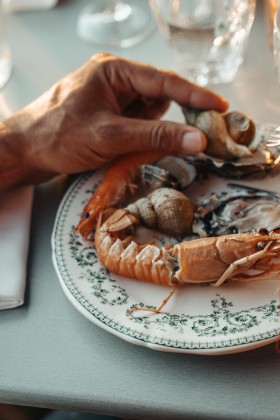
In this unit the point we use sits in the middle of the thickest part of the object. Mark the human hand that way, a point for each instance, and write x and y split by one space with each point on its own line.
106 108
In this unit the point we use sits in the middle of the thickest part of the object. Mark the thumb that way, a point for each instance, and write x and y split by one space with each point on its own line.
163 136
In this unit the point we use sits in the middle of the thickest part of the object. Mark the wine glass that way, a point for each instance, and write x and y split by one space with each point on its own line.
208 37
115 23
276 42
5 51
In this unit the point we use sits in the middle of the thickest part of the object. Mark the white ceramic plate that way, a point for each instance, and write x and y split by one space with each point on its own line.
197 319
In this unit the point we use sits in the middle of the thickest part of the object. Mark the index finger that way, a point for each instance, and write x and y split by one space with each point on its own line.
162 84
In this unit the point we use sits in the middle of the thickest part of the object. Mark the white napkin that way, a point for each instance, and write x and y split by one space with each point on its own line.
15 215
21 5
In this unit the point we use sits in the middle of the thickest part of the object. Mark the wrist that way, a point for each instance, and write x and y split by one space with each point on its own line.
13 163
18 152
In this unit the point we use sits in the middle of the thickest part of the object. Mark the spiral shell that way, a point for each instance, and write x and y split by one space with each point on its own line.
228 135
165 209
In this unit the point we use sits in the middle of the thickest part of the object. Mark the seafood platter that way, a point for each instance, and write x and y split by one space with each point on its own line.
180 253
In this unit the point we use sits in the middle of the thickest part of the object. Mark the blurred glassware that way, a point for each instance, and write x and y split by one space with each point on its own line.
115 23
26 5
276 42
5 52
270 7
208 37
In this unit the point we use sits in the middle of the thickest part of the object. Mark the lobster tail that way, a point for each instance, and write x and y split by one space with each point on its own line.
121 255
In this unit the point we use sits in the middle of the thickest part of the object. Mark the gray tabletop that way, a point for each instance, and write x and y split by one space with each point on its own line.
50 355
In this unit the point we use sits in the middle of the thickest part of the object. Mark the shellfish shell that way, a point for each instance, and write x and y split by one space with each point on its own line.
166 210
262 161
228 135
243 209
170 171
154 177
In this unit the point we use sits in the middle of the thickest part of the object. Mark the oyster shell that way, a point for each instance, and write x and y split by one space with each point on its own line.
154 177
251 158
244 209
184 172
170 171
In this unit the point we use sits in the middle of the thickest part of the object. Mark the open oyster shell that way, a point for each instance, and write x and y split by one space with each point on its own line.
169 171
251 159
244 209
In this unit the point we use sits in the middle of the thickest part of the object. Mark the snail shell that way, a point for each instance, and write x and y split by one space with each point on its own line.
165 209
240 127
228 135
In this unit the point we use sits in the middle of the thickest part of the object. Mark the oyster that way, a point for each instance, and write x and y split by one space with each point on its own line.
170 171
244 209
237 146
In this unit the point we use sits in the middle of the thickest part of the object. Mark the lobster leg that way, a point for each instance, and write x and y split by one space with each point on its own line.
243 264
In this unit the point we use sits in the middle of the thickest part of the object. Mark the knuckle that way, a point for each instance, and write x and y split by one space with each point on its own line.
101 57
107 64
166 76
170 74
108 131
160 138
100 62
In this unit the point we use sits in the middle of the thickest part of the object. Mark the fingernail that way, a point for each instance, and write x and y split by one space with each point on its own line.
192 142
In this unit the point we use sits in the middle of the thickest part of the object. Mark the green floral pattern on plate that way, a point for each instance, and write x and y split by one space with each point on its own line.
103 298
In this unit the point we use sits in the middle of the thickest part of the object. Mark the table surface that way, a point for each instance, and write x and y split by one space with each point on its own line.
50 355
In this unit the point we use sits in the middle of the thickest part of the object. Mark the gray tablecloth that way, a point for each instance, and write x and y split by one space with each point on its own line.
50 355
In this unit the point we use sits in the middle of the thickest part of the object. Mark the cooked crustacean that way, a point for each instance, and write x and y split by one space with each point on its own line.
122 175
166 210
118 180
238 257
237 146
242 209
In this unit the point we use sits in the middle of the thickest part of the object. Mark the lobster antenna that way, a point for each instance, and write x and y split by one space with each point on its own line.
159 307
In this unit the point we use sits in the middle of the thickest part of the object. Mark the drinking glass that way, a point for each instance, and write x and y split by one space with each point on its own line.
276 42
270 7
5 52
208 37
115 23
